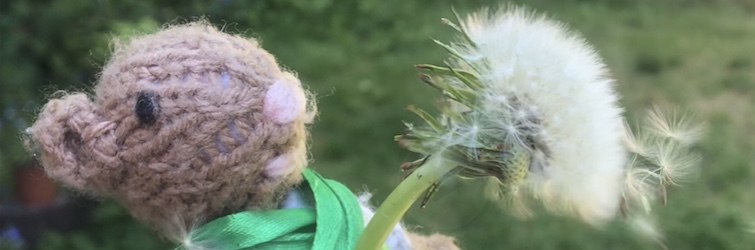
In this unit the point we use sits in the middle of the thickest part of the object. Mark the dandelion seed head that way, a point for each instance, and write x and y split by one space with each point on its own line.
532 106
532 63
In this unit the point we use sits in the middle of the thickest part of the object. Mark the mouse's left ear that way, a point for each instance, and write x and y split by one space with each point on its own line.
285 101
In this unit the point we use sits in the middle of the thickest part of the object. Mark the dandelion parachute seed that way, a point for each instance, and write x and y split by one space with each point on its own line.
661 155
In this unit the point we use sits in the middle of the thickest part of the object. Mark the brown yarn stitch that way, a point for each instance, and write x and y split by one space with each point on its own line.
175 130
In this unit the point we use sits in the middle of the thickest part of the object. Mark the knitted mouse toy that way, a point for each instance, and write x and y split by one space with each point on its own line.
201 135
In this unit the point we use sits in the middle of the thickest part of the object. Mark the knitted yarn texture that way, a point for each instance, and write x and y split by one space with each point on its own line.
186 125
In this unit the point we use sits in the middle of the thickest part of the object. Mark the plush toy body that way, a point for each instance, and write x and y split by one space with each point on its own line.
190 125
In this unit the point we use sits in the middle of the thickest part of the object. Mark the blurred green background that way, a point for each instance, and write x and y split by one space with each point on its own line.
358 56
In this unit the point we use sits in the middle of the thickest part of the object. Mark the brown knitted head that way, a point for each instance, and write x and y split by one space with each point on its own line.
188 123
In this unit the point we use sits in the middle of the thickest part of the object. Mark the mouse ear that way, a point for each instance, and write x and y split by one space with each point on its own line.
68 137
285 101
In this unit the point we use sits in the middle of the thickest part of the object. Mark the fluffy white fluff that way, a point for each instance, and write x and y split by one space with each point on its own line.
534 67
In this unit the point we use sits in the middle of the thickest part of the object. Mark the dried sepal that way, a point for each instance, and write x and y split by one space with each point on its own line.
458 28
430 120
465 76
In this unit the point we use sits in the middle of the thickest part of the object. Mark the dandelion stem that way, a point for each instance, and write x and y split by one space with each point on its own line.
399 201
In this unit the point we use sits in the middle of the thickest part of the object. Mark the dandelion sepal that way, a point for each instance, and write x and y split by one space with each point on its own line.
434 124
467 77
449 49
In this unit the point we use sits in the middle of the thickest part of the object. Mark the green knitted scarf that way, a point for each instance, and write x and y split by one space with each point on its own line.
335 223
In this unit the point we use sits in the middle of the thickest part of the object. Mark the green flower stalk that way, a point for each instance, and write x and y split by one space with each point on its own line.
529 105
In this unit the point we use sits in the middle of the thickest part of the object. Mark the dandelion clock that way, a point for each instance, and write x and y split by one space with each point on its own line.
530 105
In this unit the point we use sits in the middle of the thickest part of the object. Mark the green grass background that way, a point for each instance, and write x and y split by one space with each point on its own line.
358 56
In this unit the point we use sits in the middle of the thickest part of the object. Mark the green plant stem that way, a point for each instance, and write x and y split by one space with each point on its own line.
399 201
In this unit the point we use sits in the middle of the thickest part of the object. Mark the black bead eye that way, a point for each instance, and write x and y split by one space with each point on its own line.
147 107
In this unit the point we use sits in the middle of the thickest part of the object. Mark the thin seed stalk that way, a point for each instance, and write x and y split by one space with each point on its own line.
399 201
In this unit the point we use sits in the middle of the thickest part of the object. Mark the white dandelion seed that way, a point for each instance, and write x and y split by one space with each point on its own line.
675 163
660 156
661 149
640 182
637 143
186 233
670 123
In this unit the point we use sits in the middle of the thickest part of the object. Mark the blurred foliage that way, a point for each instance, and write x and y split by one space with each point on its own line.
358 57
112 229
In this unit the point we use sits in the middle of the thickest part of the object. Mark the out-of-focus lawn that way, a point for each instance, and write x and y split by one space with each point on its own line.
699 56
